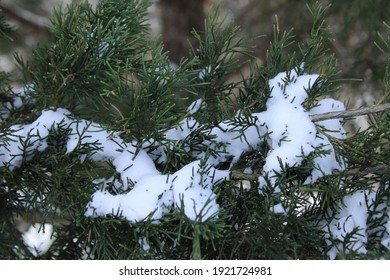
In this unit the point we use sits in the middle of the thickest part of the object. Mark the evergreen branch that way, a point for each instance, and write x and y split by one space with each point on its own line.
378 170
350 113
346 146
23 220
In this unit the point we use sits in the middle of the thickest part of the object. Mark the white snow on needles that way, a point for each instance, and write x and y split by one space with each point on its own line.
146 193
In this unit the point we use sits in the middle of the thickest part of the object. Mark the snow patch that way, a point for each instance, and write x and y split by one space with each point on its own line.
143 192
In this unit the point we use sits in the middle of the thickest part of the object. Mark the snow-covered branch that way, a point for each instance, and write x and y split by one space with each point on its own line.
142 192
291 135
350 113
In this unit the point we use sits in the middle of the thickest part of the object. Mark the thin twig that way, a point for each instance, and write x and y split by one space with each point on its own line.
378 170
24 220
350 113
236 175
346 146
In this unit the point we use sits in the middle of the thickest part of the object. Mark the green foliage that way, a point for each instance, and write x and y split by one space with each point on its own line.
366 20
217 57
102 66
311 56
6 30
371 14
89 49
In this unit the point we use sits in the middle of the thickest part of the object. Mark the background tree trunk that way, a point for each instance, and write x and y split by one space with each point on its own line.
179 18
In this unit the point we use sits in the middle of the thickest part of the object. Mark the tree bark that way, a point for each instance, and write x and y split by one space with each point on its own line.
179 19
351 113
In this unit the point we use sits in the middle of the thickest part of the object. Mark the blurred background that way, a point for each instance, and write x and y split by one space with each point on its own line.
354 24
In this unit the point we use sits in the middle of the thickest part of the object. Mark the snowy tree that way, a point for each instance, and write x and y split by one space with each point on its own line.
110 152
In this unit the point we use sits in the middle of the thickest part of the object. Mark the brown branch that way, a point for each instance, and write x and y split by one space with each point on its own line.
23 221
378 170
236 175
350 113
346 146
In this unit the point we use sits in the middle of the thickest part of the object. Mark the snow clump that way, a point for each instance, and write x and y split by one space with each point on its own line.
142 192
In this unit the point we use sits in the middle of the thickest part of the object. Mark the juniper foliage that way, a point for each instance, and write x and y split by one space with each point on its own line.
102 66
